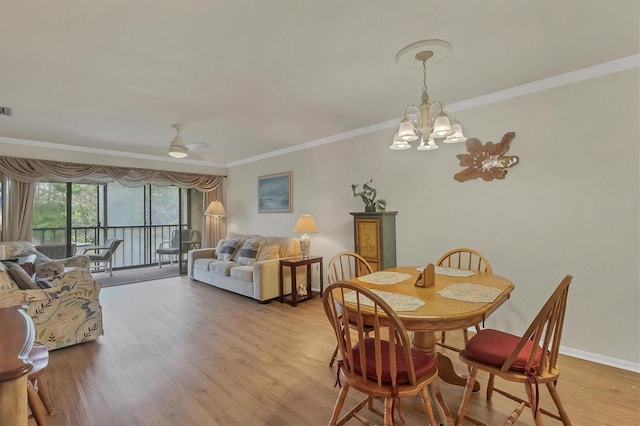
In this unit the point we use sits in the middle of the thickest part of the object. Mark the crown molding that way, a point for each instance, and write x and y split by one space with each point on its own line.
571 77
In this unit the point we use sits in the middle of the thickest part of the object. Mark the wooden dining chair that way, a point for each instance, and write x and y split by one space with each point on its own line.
379 368
37 392
463 258
530 359
343 267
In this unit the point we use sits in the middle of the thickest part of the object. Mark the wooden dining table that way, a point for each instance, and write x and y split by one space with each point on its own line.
439 313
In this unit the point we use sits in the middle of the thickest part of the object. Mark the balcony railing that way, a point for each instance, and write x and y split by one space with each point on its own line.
138 246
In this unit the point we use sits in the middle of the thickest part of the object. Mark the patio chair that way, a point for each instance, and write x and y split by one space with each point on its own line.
103 254
190 241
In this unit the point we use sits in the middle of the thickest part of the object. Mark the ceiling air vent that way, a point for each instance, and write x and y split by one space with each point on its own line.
6 111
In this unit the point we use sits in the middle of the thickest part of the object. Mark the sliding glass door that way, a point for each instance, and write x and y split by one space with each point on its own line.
68 216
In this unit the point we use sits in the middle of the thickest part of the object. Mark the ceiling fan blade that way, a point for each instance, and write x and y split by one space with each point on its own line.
198 145
194 156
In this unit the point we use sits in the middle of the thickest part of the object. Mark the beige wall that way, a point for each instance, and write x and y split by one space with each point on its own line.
570 206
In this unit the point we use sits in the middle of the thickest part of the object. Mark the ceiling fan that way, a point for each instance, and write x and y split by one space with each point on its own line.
179 149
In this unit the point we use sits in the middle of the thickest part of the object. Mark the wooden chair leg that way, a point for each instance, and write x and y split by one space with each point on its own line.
468 389
556 399
339 403
43 392
388 412
537 415
426 401
35 404
492 378
333 356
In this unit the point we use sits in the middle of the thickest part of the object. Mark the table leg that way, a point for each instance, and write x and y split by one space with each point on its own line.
281 285
426 341
321 279
294 287
309 280
449 375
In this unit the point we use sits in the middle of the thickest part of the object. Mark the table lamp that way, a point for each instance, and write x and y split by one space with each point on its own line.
305 225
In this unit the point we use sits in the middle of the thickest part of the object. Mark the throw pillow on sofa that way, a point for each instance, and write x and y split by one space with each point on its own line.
249 251
20 277
219 247
228 249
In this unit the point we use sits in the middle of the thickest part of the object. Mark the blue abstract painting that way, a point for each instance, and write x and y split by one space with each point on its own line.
274 193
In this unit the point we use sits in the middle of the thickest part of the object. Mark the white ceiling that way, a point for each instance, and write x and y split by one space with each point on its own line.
253 76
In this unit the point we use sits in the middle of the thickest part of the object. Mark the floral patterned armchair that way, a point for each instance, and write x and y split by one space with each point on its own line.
67 313
45 267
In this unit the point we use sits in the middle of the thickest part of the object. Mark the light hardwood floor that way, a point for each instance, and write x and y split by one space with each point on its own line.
177 352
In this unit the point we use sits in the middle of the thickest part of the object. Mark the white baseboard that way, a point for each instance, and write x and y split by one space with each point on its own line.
601 359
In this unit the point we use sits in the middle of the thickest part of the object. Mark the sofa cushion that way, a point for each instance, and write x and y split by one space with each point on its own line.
242 272
203 263
268 252
249 251
222 267
21 278
229 247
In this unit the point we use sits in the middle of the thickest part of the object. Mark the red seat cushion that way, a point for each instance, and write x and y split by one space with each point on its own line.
422 362
494 347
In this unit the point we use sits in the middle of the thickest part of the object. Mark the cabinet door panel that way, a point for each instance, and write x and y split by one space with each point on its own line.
368 244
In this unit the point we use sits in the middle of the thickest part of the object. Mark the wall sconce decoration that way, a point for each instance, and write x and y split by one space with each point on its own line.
486 161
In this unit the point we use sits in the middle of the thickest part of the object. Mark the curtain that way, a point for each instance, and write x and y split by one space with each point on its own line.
22 173
19 211
214 226
27 170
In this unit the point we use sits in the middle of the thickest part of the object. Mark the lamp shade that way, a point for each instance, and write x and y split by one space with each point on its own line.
405 131
305 224
215 209
399 144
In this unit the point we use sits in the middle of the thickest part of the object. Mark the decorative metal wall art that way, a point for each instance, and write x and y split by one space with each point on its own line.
486 161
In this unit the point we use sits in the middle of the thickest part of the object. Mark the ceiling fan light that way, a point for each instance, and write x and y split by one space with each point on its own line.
457 135
178 151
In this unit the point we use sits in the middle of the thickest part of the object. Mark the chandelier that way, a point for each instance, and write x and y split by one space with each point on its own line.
429 122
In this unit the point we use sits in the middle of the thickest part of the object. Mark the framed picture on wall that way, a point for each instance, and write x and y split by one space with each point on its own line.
274 193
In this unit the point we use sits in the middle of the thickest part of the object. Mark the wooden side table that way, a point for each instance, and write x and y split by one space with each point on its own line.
293 263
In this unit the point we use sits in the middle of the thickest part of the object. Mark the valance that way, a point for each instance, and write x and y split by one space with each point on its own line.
27 170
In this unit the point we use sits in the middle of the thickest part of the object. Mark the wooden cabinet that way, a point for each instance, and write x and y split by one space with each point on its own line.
375 238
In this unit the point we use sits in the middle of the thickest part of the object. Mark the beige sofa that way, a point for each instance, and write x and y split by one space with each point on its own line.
258 279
